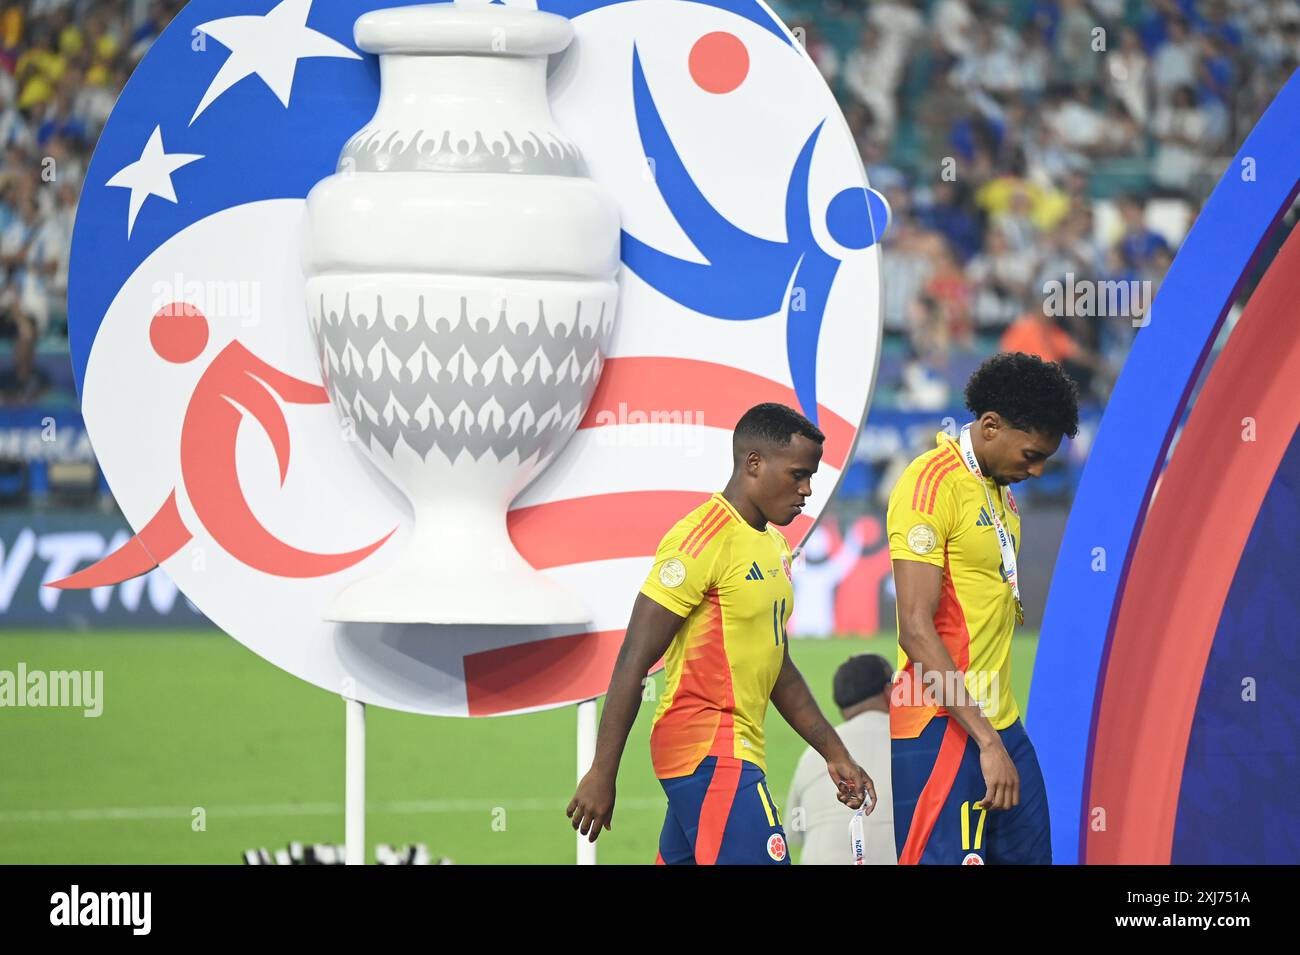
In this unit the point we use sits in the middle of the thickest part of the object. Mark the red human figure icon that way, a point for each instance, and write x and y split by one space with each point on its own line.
236 383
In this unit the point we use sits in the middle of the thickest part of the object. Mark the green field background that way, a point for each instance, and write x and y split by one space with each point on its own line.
193 719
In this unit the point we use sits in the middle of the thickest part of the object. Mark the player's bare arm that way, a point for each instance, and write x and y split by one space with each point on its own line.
649 632
919 585
795 702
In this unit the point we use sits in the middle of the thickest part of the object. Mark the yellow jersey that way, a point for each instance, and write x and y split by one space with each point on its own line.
732 584
938 514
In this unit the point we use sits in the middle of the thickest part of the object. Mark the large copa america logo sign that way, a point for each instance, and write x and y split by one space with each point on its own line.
331 320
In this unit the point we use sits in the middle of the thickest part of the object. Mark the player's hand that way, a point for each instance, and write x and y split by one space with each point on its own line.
1000 778
592 805
852 783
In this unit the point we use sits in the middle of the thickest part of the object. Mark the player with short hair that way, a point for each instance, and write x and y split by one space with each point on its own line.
958 746
715 606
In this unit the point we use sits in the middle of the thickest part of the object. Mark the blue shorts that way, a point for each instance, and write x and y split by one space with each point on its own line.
937 781
721 814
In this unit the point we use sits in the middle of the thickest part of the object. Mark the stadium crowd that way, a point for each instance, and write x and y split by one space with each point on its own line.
64 63
1018 142
1023 141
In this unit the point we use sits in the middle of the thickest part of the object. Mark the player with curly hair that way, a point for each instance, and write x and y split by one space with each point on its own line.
967 786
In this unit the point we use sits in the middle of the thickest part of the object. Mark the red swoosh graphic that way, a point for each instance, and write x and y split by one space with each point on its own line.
714 395
236 379
525 675
576 530
163 536
608 526
211 477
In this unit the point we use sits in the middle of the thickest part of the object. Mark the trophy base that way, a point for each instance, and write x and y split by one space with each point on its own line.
407 594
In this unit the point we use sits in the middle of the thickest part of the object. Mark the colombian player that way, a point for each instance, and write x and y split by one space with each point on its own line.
715 606
967 787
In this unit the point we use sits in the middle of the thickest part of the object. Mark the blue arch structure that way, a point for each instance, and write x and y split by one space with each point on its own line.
1131 448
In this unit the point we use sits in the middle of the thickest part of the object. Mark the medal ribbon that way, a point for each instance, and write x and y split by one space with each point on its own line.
1004 539
857 836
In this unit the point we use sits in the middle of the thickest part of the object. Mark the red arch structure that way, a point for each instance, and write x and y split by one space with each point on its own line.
1183 565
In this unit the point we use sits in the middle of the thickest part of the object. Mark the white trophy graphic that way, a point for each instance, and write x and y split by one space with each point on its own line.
462 287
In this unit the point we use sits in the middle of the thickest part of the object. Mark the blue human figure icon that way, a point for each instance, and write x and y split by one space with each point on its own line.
745 276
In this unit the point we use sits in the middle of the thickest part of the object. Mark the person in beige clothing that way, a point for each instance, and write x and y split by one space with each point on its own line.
816 821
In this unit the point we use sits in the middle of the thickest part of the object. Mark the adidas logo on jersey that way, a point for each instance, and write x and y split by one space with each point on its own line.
754 572
984 519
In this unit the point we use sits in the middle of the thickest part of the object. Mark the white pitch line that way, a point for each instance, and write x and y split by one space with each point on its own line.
406 808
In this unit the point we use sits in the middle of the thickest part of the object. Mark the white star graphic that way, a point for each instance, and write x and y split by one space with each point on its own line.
150 175
269 46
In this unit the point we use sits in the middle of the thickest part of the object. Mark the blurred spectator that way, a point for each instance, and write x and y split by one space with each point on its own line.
953 25
58 117
1183 128
921 387
26 261
818 49
1074 119
950 294
880 172
1015 220
1066 251
947 209
94 101
1174 64
905 261
1120 133
14 129
816 819
149 29
1001 276
1047 158
1035 63
1216 79
871 76
38 69
1037 334
1077 62
1137 244
987 64
1128 72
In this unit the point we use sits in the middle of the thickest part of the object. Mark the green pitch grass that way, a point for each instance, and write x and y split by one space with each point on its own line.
204 750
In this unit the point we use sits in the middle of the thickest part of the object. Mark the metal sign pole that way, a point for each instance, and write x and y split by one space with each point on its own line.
354 806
